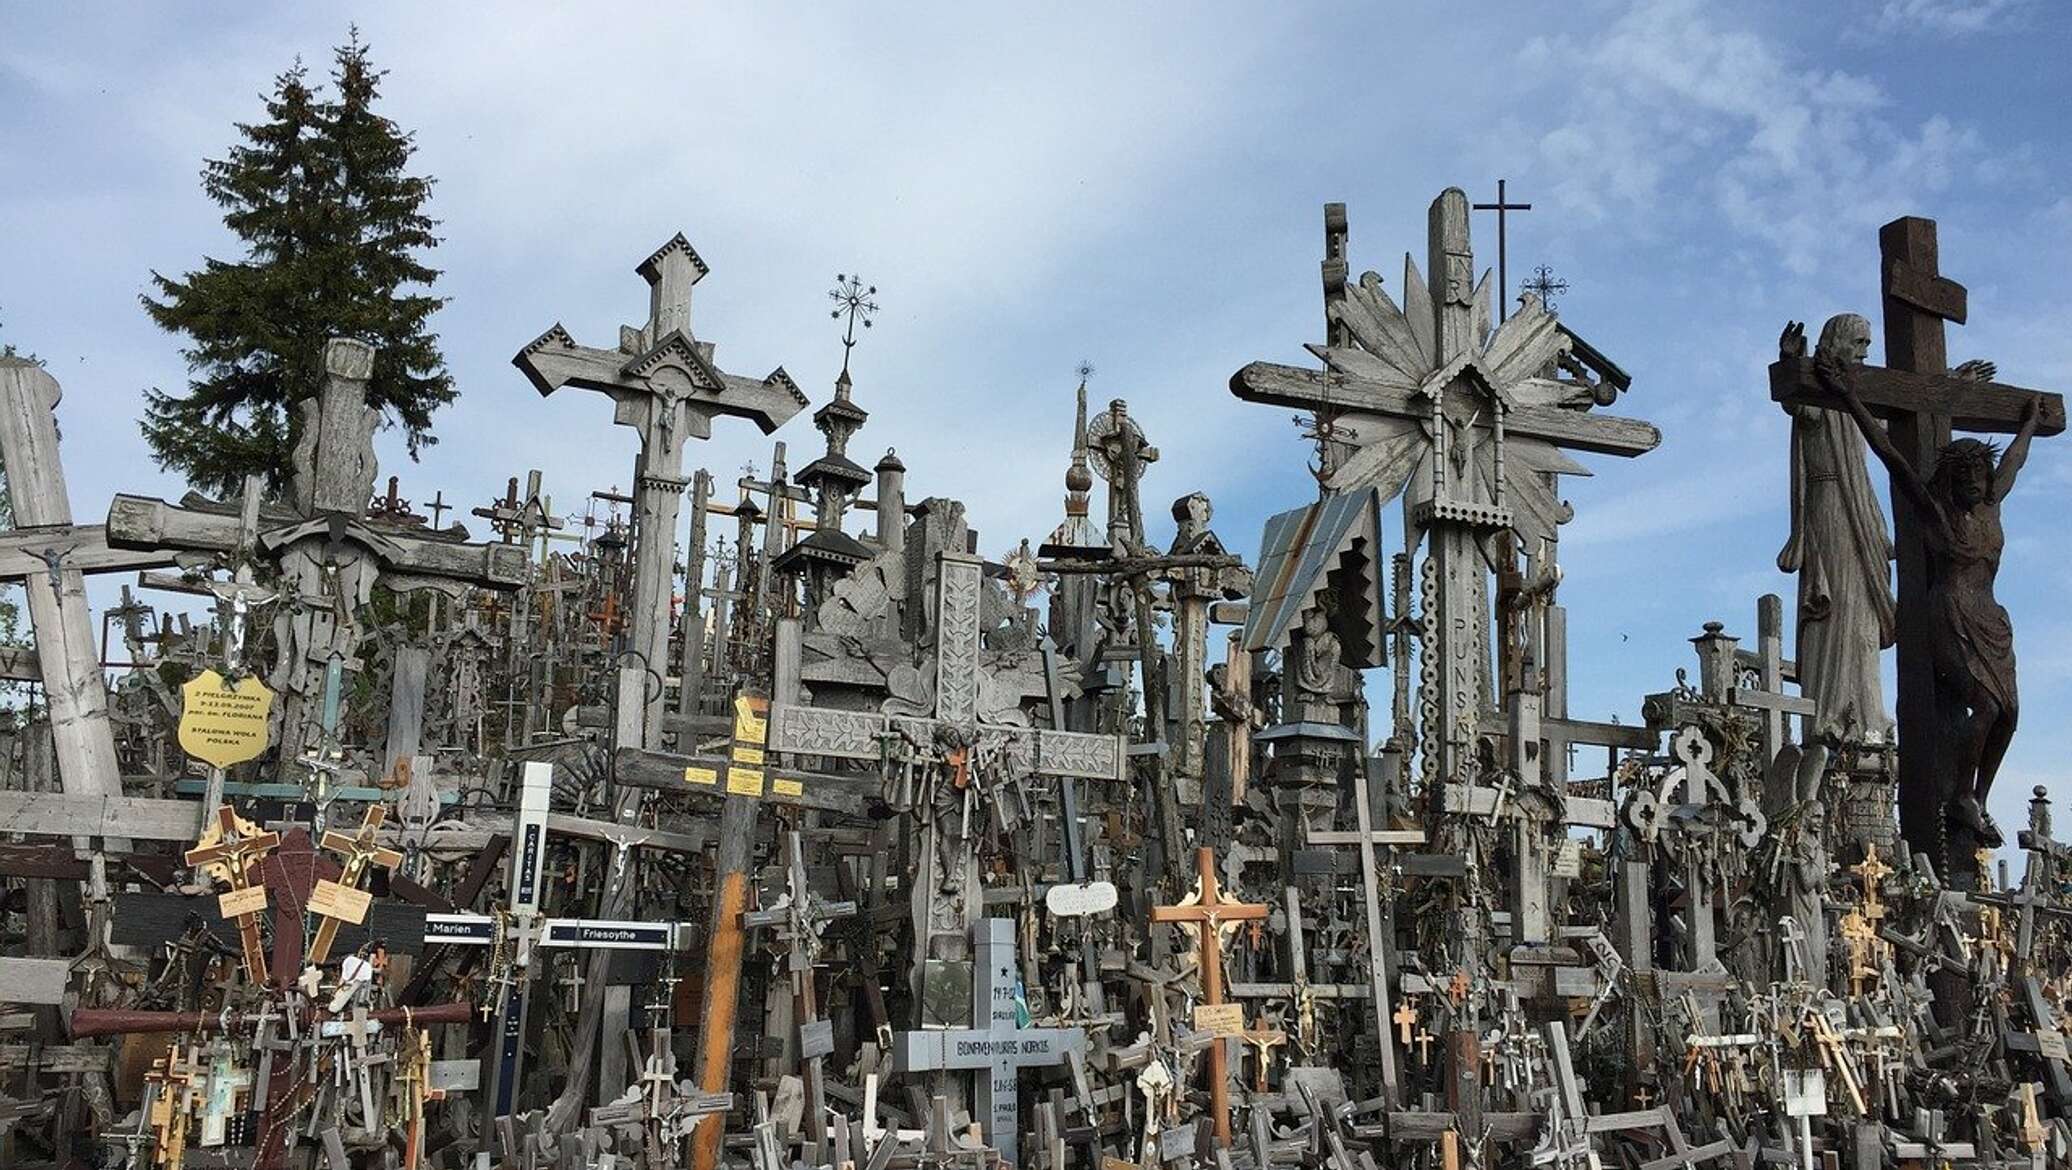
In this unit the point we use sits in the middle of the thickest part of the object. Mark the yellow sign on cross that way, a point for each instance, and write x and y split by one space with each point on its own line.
221 724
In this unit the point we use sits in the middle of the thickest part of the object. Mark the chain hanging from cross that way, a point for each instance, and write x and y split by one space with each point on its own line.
852 299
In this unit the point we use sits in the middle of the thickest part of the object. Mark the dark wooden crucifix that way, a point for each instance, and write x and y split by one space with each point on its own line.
1946 761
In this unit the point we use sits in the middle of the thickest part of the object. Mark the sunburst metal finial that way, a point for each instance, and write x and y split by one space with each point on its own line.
852 299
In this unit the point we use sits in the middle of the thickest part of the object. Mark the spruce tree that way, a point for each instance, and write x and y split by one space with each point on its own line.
333 225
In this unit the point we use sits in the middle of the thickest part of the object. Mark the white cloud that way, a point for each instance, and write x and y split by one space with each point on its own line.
1949 17
1681 101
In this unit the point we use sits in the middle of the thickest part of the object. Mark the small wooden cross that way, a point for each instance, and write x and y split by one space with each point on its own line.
1424 1045
356 851
1405 1019
1262 1042
238 847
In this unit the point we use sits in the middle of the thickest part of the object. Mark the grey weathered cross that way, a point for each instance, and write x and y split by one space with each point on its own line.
663 383
993 1047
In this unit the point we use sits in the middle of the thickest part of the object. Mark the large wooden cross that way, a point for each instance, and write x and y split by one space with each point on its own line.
1207 914
663 383
47 553
1921 403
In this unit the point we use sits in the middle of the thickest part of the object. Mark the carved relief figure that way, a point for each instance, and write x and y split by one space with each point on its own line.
1973 647
1840 549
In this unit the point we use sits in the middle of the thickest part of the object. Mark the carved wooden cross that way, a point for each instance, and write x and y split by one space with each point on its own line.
1921 404
1207 914
663 383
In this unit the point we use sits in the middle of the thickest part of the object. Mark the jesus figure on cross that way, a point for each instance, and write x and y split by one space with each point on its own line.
1973 640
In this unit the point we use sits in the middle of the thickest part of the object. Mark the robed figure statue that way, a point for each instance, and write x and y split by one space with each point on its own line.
1842 552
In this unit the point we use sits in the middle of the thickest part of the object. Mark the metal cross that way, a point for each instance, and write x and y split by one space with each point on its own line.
1503 281
852 298
1545 285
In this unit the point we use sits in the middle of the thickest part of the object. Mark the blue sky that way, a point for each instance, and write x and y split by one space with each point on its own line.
1135 185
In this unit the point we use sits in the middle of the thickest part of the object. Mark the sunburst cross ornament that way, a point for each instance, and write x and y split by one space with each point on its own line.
1438 401
852 299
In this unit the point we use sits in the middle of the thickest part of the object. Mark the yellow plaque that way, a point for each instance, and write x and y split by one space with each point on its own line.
743 754
786 786
238 903
1219 1019
745 781
344 903
750 726
700 776
220 724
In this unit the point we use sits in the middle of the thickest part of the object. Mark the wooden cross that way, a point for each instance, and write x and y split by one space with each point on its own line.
801 922
1262 1041
1921 404
238 847
357 851
994 1048
1405 1018
1207 913
663 383
48 554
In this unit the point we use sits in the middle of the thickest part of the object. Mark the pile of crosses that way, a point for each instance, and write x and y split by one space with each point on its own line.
714 827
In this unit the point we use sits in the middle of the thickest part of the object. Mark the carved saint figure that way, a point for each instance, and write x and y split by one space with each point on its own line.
1973 647
1319 667
1840 549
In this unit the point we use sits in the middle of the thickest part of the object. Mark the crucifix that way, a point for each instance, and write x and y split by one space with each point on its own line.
231 850
801 921
346 903
994 1047
1207 912
663 383
1947 549
1503 270
47 553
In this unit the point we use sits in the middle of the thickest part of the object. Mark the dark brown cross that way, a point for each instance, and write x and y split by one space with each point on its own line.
1503 275
1921 403
1207 915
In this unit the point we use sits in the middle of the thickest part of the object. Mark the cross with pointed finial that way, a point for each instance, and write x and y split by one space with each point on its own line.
1545 285
852 299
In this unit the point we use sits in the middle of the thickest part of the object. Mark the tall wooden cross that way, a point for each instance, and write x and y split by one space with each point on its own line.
995 1048
1207 914
1921 403
663 383
46 553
